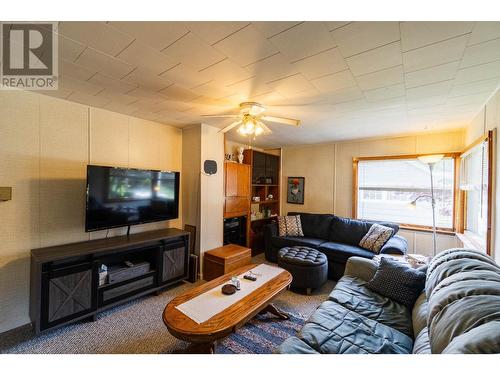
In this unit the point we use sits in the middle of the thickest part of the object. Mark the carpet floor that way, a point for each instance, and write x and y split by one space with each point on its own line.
137 327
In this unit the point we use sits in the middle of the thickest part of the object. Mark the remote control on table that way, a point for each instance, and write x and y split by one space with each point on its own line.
250 277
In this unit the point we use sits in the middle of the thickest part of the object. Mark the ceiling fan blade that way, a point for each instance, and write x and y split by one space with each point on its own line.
222 116
281 120
229 127
265 127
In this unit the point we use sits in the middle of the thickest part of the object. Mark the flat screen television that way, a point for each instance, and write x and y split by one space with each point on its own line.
118 197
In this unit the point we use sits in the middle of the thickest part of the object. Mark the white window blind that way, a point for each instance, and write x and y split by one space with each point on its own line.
386 187
474 171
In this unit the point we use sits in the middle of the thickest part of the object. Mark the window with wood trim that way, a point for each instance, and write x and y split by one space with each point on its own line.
386 186
475 186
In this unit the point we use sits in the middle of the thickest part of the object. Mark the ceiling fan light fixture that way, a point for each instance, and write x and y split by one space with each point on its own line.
248 126
259 130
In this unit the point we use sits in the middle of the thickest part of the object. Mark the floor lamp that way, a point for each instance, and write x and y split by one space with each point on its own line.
431 161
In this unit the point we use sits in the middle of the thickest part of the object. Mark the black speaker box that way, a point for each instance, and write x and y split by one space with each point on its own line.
193 268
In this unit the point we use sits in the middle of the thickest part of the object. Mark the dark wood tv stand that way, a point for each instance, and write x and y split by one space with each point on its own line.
65 287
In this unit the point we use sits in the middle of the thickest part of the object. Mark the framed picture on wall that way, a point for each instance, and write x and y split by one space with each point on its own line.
295 190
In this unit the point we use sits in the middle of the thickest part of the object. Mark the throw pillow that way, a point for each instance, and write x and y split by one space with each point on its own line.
376 237
290 226
397 281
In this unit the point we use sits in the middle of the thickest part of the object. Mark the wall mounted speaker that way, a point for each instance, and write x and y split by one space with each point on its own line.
210 167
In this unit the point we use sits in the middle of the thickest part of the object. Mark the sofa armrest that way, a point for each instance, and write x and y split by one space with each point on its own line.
395 245
362 268
270 231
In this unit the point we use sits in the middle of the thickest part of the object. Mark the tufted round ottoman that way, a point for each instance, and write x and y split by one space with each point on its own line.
309 267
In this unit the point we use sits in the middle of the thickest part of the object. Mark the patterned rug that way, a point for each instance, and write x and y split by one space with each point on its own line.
261 335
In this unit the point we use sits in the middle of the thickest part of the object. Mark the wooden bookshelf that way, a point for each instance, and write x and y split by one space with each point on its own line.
265 181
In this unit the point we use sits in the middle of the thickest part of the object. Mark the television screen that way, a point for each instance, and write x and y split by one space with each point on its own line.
118 197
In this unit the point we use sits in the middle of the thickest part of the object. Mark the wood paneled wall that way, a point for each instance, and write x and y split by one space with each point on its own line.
45 146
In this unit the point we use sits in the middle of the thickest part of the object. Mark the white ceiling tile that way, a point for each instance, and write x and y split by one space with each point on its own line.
478 73
141 93
291 85
419 34
474 99
114 85
69 49
346 94
426 102
192 51
179 93
186 76
434 89
68 68
213 90
303 40
350 106
376 59
327 62
481 53
271 28
175 106
488 85
358 37
382 78
73 84
269 98
226 72
334 82
246 46
158 35
119 107
435 54
97 35
105 64
332 25
147 79
303 98
88 99
206 101
250 87
484 31
383 93
437 73
272 68
211 31
114 97
138 54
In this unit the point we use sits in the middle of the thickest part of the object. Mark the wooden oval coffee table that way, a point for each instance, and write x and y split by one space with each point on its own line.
203 336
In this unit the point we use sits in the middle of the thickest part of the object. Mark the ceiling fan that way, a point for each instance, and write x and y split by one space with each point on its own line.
250 120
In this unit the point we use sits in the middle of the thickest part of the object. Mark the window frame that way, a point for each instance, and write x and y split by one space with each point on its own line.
417 227
462 217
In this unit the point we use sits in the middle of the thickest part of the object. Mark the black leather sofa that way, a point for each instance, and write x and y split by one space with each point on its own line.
337 237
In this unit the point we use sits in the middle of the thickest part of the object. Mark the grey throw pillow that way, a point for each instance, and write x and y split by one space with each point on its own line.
397 281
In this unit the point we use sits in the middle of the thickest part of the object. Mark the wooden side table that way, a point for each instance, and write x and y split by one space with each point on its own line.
222 260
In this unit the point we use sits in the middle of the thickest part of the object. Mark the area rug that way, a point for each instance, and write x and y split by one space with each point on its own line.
261 335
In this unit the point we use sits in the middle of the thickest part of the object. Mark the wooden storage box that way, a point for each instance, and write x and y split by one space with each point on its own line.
219 261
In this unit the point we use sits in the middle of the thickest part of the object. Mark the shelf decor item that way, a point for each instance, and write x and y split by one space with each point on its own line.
295 190
240 155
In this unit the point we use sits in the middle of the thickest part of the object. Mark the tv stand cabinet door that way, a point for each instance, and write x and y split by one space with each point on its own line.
69 293
174 260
